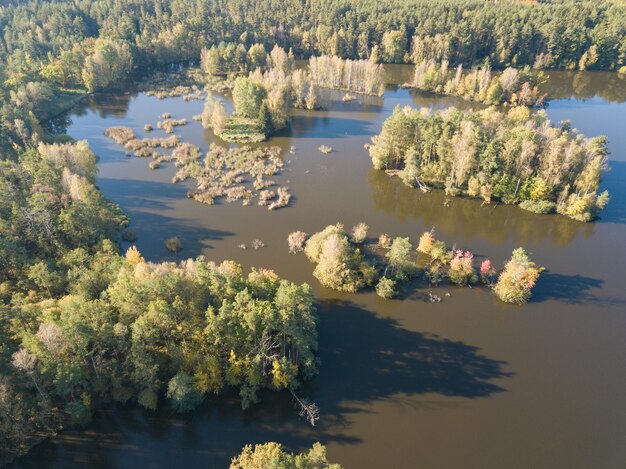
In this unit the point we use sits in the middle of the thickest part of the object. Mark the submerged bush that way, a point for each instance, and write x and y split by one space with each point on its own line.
173 244
538 206
518 278
129 235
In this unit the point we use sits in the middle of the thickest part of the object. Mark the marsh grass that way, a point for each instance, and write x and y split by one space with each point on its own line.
120 134
169 124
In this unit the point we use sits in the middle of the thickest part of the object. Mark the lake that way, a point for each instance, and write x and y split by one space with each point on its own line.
468 382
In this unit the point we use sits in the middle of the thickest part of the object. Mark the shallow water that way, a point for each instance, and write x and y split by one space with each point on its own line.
468 382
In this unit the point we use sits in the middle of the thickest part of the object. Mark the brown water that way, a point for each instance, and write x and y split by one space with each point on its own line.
468 382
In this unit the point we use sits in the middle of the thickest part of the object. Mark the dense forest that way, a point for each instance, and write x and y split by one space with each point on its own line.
562 34
51 52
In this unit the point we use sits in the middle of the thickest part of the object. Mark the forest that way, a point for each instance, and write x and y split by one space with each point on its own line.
52 52
82 324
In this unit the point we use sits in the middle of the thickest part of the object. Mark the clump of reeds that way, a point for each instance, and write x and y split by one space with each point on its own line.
283 199
120 134
325 149
169 124
257 244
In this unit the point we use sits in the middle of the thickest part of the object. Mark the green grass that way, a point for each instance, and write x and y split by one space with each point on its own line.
242 130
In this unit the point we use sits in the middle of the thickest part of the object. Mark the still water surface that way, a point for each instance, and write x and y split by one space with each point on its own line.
468 382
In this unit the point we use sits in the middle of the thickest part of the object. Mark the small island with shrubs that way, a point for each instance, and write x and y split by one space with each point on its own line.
514 157
347 262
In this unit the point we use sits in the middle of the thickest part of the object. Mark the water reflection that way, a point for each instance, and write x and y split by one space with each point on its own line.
610 86
105 104
466 218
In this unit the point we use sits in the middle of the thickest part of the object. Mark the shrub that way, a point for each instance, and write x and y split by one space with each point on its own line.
173 244
133 256
273 455
440 253
359 233
314 245
538 206
426 242
461 269
339 265
399 255
296 241
384 241
517 279
386 288
487 272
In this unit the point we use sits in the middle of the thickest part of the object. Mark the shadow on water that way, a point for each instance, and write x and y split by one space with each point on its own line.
573 289
369 357
365 358
147 203
321 124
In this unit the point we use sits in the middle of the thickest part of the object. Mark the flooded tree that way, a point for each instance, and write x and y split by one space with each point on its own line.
517 87
338 264
518 278
360 76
